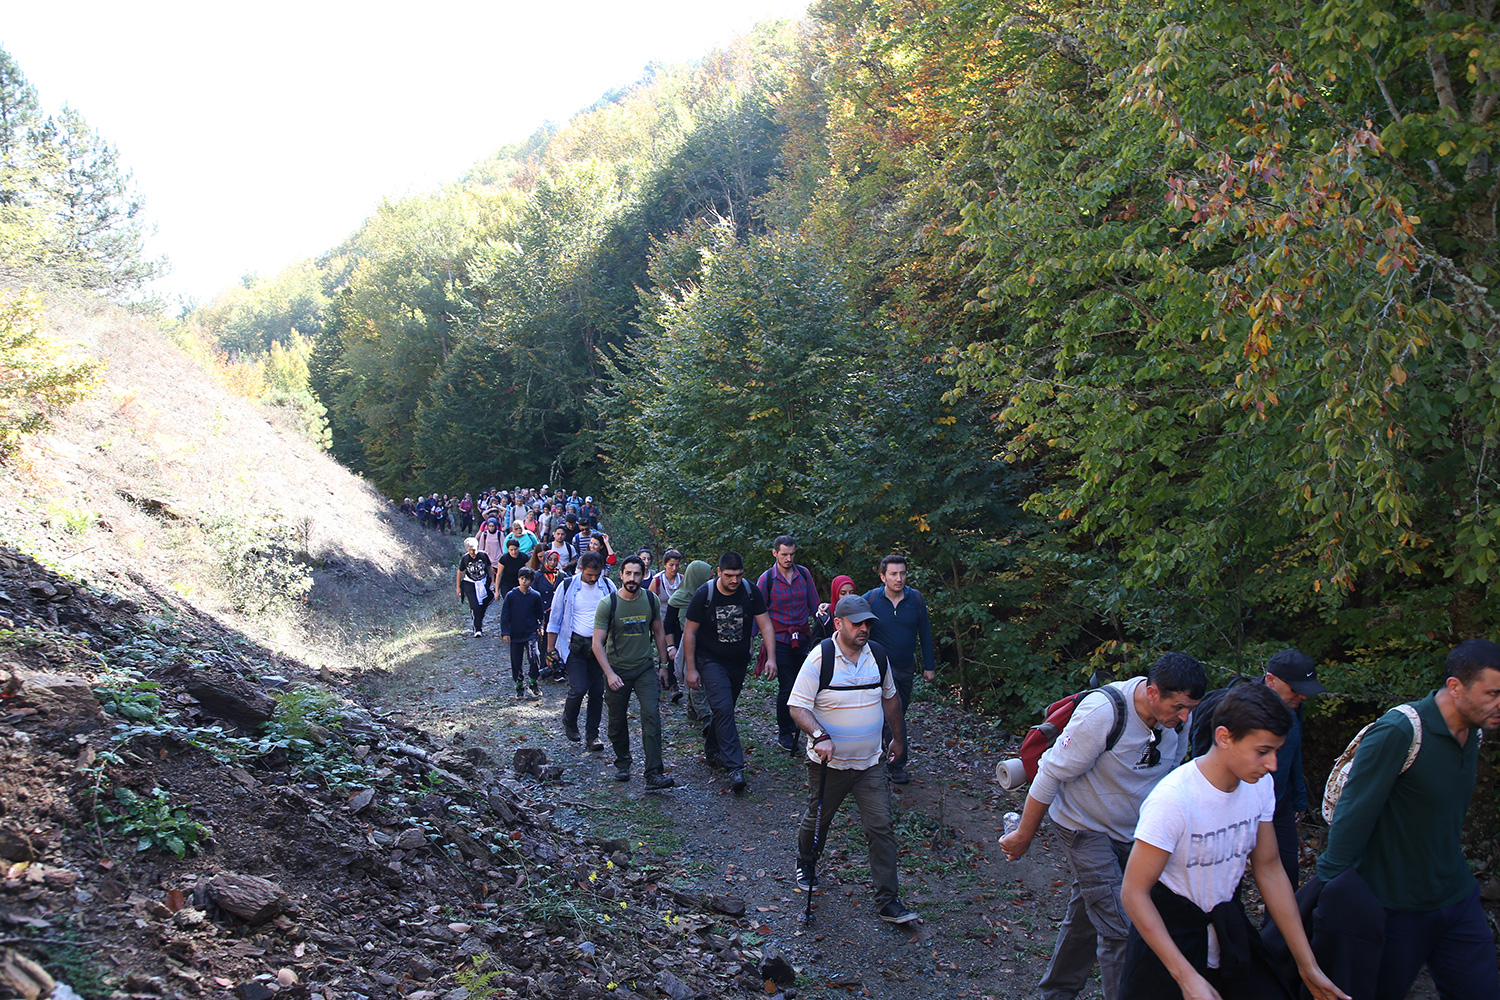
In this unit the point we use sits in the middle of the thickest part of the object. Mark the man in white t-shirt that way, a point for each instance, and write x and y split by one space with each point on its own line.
843 721
1190 936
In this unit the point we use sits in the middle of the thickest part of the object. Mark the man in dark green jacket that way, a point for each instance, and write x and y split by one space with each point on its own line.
1400 832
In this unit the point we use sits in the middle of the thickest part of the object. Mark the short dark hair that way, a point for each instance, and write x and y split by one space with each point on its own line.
1174 672
894 557
1468 658
731 560
1252 706
671 554
633 559
591 560
783 540
513 543
526 573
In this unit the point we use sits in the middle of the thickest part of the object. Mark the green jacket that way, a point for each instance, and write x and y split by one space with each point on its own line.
1402 831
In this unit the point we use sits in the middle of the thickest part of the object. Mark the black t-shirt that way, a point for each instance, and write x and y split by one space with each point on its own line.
724 621
475 567
510 570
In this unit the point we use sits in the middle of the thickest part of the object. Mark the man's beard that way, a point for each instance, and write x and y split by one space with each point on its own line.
632 585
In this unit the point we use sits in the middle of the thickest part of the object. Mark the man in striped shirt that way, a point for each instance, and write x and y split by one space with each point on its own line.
843 719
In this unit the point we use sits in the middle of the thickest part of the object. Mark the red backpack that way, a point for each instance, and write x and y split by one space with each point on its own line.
1054 721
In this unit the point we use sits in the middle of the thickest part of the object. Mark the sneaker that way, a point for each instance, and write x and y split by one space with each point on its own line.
570 730
536 692
895 912
520 693
899 776
478 632
657 781
622 772
787 742
807 879
593 742
737 783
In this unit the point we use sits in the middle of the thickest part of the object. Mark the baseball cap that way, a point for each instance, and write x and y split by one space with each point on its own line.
1298 670
854 608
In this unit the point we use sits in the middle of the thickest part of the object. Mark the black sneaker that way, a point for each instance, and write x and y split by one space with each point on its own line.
807 880
622 772
899 776
536 692
895 912
657 781
593 742
520 692
787 742
737 783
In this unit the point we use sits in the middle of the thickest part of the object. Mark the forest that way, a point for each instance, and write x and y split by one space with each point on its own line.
1136 325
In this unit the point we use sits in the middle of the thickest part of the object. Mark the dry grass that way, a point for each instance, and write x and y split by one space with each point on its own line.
136 489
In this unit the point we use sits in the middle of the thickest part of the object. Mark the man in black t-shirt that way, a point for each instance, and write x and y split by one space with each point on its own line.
716 651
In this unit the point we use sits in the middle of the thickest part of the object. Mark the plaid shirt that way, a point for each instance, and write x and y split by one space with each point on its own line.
789 604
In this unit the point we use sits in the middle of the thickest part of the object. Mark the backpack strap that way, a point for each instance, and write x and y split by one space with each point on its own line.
1118 729
825 678
1410 711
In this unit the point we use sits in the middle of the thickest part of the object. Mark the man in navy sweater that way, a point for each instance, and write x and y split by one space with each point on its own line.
900 625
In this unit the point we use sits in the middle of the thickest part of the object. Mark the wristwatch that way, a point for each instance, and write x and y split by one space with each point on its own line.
818 736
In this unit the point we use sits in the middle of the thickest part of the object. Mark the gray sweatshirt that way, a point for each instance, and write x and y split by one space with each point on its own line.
1089 789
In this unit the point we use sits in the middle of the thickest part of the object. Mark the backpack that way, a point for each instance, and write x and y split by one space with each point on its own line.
1202 732
1056 719
614 598
1339 775
825 675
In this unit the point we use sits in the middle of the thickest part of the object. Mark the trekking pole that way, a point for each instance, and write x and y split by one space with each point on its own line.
812 869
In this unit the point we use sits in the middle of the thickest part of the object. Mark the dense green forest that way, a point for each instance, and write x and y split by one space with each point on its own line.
1137 325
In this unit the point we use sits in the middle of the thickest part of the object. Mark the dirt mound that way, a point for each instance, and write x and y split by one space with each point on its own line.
158 840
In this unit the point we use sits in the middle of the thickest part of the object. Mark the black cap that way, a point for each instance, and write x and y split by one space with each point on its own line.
1297 669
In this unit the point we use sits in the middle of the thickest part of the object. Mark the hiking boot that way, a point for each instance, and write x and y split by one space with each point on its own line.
807 879
899 775
715 760
593 743
896 912
570 730
656 781
787 742
622 772
737 783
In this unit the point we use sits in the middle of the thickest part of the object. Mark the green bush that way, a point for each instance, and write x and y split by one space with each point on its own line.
154 822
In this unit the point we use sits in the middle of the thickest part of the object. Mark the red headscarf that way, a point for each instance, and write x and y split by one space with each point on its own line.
836 586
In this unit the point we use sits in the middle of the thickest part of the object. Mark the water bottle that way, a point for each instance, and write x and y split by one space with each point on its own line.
1011 822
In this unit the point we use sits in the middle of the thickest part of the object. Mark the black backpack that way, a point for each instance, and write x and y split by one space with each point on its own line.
825 675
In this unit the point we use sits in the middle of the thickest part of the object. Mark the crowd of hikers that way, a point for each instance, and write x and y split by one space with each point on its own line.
1160 792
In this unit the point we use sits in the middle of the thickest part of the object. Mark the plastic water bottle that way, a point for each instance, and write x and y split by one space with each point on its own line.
1011 822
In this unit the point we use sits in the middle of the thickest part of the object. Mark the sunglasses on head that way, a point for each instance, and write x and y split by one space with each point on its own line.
1151 756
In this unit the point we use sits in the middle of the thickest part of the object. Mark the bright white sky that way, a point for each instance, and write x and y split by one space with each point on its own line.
262 133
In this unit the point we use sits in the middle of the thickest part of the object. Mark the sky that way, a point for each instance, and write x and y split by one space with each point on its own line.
262 134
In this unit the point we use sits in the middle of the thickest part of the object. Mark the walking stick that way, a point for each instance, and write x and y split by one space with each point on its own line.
817 843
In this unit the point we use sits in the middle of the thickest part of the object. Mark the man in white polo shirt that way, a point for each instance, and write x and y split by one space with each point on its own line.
843 716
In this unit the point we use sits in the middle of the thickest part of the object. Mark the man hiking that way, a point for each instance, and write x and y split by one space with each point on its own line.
626 624
902 627
716 653
572 618
791 601
843 720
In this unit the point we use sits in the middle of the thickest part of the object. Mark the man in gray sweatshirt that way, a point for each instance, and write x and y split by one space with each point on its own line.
1092 782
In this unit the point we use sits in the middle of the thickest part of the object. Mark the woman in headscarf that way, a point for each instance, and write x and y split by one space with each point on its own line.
545 584
696 575
842 586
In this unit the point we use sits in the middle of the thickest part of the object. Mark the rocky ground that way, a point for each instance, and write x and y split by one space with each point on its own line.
184 813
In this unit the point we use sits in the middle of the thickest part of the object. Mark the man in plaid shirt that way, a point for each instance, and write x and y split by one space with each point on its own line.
791 600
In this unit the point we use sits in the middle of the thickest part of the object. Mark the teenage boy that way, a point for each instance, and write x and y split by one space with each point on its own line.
1190 936
521 617
625 625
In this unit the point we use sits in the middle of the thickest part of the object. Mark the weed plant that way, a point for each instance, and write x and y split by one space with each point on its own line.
155 822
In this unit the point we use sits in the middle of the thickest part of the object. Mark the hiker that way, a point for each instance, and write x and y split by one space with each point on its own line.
791 601
573 608
901 626
843 719
1093 791
1189 935
822 626
526 539
1394 891
522 614
664 584
473 584
645 554
696 575
489 541
466 514
589 513
716 653
1292 674
509 566
626 625
567 554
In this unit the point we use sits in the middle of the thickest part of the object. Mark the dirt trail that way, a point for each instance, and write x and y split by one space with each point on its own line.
989 924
